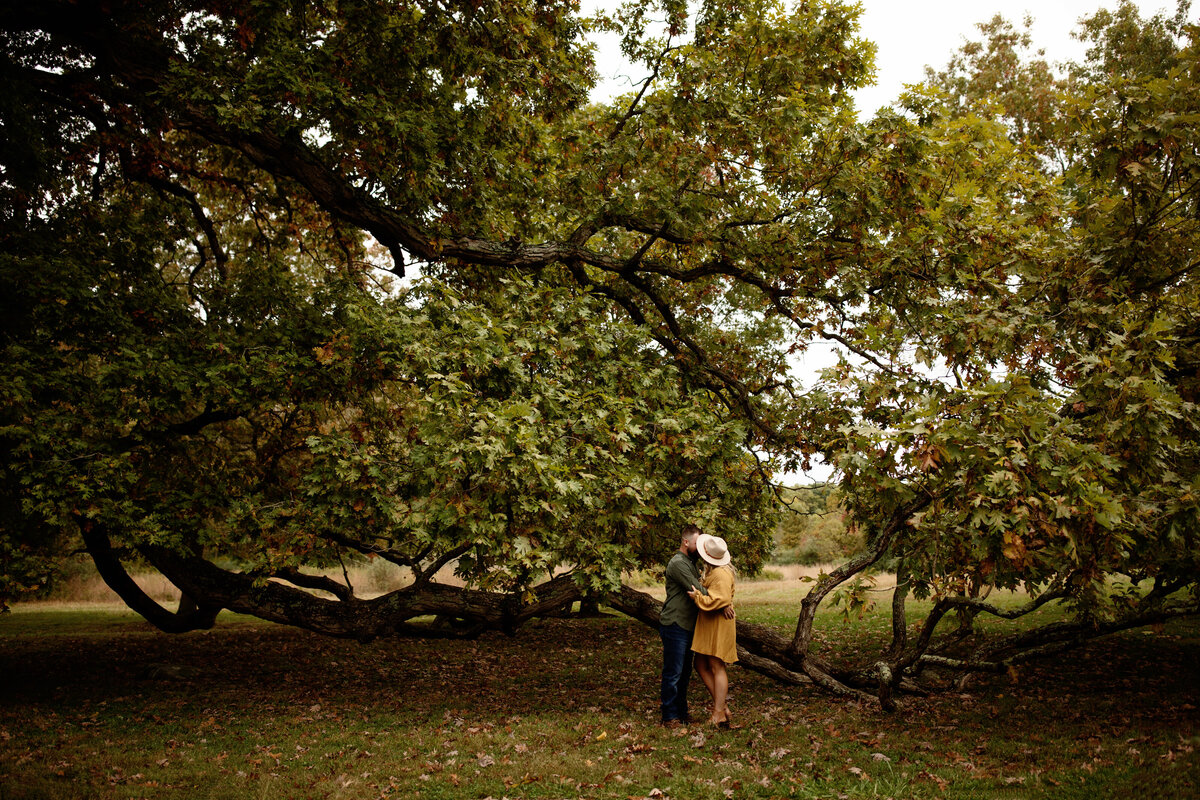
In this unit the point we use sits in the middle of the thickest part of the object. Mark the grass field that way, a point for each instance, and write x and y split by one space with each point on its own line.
95 704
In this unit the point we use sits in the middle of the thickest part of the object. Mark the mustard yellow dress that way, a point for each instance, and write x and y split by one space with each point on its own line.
715 635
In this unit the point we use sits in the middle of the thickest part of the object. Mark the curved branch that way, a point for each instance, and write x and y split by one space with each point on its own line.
198 213
1056 592
187 427
1078 631
358 546
388 614
808 606
424 575
193 614
1053 639
319 582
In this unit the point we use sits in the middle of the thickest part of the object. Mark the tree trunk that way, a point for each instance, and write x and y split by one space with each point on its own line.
191 615
899 615
350 617
589 606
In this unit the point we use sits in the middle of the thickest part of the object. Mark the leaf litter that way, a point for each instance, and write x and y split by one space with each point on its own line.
526 717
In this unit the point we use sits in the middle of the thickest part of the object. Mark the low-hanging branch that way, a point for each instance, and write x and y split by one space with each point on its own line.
352 617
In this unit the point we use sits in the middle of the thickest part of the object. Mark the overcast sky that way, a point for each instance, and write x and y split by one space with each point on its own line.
913 33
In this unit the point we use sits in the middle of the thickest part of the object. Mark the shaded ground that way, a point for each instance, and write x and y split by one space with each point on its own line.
96 704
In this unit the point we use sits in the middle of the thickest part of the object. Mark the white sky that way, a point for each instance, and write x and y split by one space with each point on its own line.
911 34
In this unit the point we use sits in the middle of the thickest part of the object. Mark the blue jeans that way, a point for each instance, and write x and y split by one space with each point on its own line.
676 672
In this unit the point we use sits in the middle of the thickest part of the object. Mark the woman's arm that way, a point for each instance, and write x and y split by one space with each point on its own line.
720 591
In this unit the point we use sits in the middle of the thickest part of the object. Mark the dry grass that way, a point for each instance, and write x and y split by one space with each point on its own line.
88 588
380 577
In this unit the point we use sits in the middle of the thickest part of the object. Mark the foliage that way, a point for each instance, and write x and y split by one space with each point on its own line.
811 529
598 345
1065 449
198 359
521 431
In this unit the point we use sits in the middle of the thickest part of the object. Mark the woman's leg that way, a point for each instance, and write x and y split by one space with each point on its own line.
720 689
705 672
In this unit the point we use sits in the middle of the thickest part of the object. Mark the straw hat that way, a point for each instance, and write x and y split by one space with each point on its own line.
712 549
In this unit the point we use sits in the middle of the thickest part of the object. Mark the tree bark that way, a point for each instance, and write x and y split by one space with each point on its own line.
899 615
193 613
350 617
802 641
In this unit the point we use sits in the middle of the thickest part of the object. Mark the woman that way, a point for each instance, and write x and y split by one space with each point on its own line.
715 639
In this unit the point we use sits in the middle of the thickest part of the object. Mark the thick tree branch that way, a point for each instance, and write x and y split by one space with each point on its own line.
386 615
879 545
319 582
1067 637
198 213
426 574
195 613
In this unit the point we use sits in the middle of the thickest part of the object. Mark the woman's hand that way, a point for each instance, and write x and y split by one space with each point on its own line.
727 611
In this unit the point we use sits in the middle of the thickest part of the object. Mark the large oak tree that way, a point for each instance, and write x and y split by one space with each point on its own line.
204 371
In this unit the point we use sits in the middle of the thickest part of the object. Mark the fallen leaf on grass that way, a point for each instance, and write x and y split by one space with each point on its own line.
524 780
941 782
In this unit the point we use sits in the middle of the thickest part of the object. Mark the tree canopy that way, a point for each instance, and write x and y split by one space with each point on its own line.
286 284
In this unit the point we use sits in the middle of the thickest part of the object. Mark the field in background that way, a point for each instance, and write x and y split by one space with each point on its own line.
86 586
94 703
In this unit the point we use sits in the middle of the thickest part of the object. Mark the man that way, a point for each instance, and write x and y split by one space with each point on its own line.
677 620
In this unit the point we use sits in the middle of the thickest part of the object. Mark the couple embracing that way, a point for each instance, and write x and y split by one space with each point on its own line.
697 621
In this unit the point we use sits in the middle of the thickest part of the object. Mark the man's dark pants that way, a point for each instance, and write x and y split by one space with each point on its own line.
676 672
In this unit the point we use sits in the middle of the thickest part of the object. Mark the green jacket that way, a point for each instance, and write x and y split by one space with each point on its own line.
678 609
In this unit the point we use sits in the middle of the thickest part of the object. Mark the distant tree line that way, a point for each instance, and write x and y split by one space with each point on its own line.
812 528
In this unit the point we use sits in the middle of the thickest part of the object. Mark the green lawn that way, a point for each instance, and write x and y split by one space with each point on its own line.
94 703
